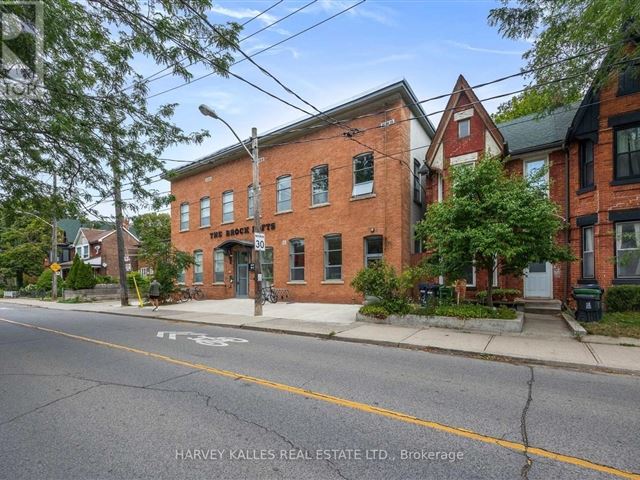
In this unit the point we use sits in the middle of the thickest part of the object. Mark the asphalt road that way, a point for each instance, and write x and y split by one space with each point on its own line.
76 404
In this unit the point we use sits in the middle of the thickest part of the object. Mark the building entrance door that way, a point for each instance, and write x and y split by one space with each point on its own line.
537 280
242 274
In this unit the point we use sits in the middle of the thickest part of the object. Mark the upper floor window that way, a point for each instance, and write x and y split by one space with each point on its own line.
218 266
83 251
586 163
628 250
629 80
333 257
296 259
250 201
184 216
227 206
362 174
464 128
627 148
535 171
417 187
197 266
319 185
283 194
205 212
372 250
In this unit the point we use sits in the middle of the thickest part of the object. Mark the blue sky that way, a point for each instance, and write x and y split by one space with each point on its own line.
428 42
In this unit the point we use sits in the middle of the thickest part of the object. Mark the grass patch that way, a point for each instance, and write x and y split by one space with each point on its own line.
616 324
75 299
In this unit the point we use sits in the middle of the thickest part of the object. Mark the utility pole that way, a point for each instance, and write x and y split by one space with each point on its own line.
54 241
257 223
117 196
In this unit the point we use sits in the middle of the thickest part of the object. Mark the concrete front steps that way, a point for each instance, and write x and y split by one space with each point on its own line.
540 306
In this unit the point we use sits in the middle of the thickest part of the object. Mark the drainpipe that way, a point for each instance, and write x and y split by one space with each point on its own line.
567 232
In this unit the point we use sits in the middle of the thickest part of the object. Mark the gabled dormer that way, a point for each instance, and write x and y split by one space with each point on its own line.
465 132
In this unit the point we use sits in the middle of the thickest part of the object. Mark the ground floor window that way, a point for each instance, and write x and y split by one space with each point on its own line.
333 257
181 277
197 266
628 250
372 249
266 264
296 259
469 274
588 259
218 266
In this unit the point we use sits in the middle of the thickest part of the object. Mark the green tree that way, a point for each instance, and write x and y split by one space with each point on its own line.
491 215
591 35
93 103
532 102
156 250
24 245
73 272
85 277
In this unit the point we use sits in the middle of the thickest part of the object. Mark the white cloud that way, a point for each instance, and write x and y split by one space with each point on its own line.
274 51
242 13
377 13
471 48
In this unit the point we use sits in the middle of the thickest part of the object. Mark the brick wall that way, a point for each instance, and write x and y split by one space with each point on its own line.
386 213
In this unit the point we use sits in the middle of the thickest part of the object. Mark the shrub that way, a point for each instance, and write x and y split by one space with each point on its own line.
85 277
467 310
143 283
499 294
105 280
73 272
379 280
377 311
623 298
45 279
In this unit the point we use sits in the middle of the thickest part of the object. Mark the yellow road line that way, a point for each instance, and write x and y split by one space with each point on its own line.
363 407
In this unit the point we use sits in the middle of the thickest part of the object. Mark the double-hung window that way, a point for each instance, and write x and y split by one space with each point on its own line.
205 212
464 128
362 174
372 250
227 206
333 257
319 185
266 263
184 216
586 163
197 266
218 266
588 260
250 201
296 259
283 194
469 274
627 161
628 250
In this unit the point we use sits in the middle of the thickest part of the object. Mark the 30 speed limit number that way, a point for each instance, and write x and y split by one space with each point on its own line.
259 242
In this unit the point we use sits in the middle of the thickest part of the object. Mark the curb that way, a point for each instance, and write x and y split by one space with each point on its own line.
384 343
577 329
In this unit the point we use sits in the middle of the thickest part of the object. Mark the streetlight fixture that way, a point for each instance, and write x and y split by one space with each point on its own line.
257 227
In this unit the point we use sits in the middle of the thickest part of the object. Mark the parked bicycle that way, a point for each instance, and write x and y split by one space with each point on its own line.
192 293
268 295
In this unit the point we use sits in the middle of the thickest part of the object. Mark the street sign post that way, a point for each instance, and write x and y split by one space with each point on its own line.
55 266
259 242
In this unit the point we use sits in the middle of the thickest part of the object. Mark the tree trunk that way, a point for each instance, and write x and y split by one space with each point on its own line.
490 287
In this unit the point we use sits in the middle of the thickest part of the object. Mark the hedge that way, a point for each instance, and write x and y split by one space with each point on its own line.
623 298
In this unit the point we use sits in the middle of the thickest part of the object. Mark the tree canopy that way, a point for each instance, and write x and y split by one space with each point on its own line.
574 43
93 103
491 215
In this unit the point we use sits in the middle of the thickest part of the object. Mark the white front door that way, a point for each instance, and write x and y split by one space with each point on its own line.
538 280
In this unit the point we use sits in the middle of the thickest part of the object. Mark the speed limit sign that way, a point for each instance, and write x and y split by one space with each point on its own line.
259 242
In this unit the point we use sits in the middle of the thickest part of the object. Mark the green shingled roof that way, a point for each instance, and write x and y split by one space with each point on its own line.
530 133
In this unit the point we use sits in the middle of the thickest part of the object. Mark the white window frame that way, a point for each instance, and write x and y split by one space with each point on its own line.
204 208
467 122
366 187
538 158
584 231
619 246
327 251
227 199
372 256
284 205
473 276
315 180
184 210
218 265
198 268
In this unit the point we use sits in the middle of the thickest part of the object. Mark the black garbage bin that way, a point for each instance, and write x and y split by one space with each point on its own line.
589 300
428 292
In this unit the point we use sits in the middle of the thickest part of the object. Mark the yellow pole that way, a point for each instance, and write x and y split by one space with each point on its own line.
137 291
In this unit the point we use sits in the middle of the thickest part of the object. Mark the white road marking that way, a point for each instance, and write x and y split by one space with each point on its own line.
203 338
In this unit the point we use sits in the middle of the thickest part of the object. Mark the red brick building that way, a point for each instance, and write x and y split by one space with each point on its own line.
334 197
592 151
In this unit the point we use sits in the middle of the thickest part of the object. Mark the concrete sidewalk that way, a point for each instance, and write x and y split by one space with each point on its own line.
544 339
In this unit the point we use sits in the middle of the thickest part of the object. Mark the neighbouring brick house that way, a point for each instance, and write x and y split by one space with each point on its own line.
592 150
334 197
99 249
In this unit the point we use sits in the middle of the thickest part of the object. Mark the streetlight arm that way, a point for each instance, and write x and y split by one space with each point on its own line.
236 135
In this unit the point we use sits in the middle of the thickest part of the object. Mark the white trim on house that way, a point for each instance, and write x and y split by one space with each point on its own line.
463 159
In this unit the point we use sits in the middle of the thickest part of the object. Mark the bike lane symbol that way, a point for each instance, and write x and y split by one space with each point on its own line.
202 338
